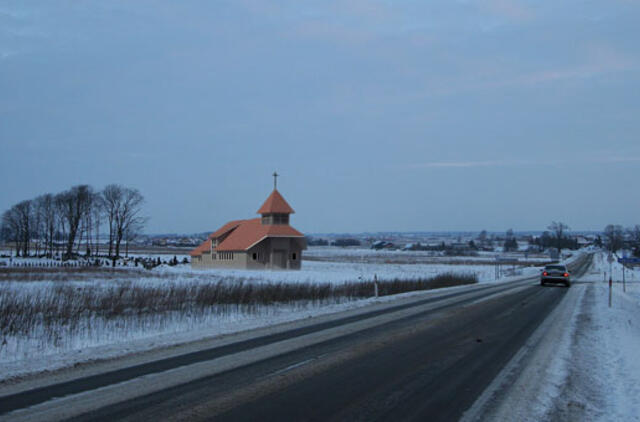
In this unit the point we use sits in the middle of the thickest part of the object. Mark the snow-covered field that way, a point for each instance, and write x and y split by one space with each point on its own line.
358 254
339 272
45 345
350 268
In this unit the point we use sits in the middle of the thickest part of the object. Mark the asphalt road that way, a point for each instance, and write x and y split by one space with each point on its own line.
429 365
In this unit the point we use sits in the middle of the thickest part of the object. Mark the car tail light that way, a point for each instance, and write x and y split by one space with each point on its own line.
566 274
545 273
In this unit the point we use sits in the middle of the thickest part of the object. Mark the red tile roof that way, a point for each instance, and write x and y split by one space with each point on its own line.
204 247
245 234
222 230
250 232
275 204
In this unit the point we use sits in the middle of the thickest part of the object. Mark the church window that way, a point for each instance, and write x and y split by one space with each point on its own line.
225 255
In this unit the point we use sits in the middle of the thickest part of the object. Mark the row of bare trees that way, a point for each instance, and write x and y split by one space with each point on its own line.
65 221
617 237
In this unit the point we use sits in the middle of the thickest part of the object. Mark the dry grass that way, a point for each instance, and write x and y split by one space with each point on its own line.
70 305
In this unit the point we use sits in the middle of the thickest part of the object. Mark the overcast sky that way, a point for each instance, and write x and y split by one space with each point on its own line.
380 116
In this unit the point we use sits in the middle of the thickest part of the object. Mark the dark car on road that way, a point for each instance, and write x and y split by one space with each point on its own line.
555 273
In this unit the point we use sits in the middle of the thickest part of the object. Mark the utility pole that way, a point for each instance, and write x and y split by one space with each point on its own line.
610 260
624 285
375 285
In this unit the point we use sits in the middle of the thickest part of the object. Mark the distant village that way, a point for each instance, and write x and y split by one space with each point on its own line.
453 242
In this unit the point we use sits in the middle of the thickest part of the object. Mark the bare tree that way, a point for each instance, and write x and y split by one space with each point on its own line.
48 216
510 242
25 213
558 228
128 215
60 223
132 232
634 234
7 234
121 207
66 216
98 212
73 205
613 237
111 199
73 217
87 221
11 228
37 228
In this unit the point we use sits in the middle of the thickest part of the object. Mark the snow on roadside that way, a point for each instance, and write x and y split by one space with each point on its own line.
578 365
603 373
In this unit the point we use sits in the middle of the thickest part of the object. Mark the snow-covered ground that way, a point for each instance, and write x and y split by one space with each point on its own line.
105 341
584 366
338 265
46 347
49 289
311 272
359 254
339 272
603 373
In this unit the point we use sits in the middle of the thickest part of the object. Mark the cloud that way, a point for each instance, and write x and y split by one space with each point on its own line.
13 13
510 9
459 164
616 160
335 21
578 72
520 163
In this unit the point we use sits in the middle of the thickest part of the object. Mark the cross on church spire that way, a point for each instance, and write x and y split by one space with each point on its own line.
275 180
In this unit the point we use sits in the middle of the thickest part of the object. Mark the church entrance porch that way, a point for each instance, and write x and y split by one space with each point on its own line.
279 259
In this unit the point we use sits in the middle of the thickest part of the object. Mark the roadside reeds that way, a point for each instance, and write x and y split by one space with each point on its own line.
63 315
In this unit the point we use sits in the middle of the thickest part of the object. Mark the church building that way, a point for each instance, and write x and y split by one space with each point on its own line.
268 242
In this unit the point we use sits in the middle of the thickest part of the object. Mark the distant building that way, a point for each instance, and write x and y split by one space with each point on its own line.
268 242
159 242
583 241
382 244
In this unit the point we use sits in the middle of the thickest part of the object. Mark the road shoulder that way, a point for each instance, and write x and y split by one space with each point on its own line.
580 364
528 384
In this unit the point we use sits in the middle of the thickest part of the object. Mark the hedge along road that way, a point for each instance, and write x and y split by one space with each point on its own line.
378 363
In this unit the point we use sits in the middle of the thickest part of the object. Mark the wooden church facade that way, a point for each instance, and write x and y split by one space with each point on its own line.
268 242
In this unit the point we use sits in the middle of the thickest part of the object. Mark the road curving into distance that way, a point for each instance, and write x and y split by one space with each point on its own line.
423 357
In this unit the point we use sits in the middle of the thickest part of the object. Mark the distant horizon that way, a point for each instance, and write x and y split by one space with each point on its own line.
453 232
